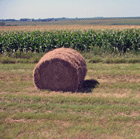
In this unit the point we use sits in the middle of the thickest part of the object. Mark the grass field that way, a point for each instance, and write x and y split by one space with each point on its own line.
110 110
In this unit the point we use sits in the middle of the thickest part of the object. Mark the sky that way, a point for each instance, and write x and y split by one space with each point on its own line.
17 9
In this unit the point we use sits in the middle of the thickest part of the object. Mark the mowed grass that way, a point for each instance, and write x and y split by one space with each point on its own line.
110 110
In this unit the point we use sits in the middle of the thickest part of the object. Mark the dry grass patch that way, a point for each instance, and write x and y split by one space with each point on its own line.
8 120
117 95
132 114
66 27
119 78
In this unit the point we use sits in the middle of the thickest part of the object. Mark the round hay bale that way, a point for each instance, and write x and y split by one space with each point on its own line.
62 69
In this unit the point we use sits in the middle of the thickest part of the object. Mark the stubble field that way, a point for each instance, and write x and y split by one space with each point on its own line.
110 109
66 27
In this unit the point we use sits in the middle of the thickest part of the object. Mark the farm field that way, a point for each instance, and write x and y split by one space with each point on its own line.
66 27
108 110
101 21
108 40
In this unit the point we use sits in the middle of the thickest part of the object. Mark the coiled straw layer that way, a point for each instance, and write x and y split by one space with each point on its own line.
62 69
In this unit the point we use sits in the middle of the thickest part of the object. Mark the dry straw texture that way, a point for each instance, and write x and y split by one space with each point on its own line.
62 69
66 27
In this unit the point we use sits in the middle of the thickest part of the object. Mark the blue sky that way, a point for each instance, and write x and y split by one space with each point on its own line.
16 9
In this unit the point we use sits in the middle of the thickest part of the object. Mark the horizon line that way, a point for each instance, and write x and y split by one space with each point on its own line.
76 17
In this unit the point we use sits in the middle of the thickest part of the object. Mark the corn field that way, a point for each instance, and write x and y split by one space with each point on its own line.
123 41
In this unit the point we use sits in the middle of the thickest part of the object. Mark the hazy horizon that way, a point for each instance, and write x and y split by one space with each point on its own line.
17 9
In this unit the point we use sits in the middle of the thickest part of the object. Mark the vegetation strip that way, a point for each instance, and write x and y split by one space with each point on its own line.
121 41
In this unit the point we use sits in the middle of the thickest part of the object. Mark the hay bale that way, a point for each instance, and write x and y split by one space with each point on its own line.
62 69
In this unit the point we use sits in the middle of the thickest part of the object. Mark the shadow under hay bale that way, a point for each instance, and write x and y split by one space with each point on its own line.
88 85
62 69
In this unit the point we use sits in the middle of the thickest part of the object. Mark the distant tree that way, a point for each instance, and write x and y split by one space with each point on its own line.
10 20
24 19
2 23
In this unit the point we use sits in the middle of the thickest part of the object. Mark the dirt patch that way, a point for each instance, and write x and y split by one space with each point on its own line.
111 95
14 77
120 78
8 120
64 123
132 114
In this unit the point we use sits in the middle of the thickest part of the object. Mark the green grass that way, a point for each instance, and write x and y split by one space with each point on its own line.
110 110
94 56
